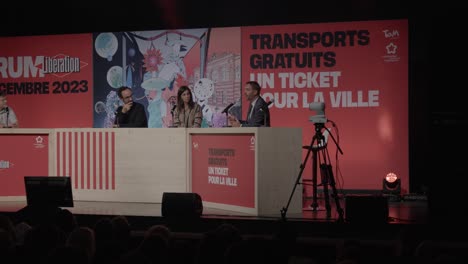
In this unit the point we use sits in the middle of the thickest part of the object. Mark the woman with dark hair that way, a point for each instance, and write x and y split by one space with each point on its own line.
187 113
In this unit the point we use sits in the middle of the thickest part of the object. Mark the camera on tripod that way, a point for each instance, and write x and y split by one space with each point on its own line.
319 109
321 159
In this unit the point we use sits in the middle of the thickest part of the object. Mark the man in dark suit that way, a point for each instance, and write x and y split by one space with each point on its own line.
131 114
258 114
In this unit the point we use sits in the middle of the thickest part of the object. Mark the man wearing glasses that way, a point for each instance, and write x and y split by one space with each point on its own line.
131 114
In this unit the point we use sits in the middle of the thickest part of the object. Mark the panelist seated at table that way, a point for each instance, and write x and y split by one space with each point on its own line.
258 114
187 112
131 114
7 115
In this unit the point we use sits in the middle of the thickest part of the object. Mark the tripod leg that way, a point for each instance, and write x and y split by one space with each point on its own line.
284 210
335 194
324 172
314 204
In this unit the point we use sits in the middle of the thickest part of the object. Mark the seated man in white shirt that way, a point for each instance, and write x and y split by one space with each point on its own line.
7 115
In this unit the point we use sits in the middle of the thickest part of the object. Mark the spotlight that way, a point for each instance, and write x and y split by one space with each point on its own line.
391 184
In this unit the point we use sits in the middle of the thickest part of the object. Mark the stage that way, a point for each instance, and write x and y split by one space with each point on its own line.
250 189
401 214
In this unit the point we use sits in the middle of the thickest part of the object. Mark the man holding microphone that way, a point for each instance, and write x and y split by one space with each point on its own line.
258 114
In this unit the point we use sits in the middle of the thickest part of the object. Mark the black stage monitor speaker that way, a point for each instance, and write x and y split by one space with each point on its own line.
367 209
181 204
45 191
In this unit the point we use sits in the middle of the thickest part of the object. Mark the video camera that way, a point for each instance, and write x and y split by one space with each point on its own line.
319 109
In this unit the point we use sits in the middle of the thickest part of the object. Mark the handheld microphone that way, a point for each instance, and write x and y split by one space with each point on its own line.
173 108
7 110
227 108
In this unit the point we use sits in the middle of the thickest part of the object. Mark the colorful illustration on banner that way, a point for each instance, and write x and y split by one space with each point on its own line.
106 45
114 77
202 91
156 63
112 103
154 87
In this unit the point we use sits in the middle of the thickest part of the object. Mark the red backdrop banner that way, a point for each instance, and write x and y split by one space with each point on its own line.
48 79
359 70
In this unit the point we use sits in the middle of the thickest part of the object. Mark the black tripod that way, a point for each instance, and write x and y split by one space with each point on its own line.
320 155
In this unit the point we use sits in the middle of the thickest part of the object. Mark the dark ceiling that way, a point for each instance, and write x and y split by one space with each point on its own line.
42 18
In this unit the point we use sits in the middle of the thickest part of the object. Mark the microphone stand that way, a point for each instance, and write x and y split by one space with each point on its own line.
116 119
227 120
264 109
172 121
172 114
226 112
7 111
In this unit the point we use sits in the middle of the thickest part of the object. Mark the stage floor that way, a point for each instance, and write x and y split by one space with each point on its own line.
399 212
